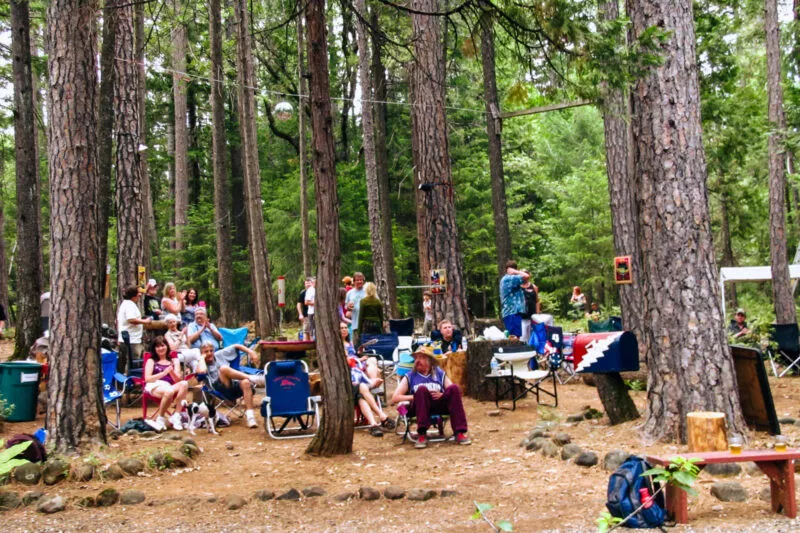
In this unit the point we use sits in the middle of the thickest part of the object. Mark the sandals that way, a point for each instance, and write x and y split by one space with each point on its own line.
375 431
388 424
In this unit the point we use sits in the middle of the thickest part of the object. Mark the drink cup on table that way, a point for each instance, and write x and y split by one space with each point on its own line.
780 443
735 444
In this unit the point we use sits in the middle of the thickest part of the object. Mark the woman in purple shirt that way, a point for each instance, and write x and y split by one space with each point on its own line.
164 380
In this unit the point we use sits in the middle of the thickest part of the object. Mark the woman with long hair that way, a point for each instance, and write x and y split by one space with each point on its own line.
164 380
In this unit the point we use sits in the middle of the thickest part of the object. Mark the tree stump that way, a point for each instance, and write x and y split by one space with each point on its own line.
478 365
456 368
705 431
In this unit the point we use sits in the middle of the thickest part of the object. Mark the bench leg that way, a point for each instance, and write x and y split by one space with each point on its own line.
782 486
677 505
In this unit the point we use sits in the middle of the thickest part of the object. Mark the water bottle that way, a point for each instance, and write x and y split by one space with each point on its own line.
464 344
494 365
644 495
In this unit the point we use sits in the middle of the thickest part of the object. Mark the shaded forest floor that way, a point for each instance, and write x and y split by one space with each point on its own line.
533 492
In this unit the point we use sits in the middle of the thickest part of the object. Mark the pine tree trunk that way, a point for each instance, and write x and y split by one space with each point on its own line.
179 45
727 249
150 236
29 253
348 85
494 126
370 166
105 133
262 284
75 416
622 194
435 203
382 167
129 204
222 199
335 434
785 312
690 367
3 263
301 148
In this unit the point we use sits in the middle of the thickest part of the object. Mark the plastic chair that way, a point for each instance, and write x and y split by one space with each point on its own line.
787 337
289 397
112 380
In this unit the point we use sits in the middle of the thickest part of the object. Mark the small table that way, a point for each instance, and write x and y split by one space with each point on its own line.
778 466
293 346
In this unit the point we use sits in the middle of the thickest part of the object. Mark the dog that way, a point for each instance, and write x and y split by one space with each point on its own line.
199 412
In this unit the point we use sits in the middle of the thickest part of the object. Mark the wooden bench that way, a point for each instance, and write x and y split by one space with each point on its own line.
778 466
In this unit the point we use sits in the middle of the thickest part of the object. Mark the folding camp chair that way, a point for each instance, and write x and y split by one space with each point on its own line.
146 396
289 397
406 426
212 396
112 381
787 337
518 373
239 336
383 347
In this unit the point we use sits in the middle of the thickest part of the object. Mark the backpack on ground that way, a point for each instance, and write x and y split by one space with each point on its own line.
35 453
623 495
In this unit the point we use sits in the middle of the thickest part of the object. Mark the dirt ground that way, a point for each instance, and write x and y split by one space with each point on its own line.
533 492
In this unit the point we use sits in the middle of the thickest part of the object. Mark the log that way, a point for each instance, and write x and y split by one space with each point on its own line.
478 365
456 368
705 432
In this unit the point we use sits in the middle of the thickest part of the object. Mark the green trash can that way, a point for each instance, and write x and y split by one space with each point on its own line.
19 385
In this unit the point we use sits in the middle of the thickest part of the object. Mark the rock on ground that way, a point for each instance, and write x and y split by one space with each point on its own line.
263 495
728 491
586 459
421 495
368 493
723 469
313 492
570 450
28 474
107 497
394 493
549 449
9 500
131 465
290 495
614 459
51 504
131 497
234 502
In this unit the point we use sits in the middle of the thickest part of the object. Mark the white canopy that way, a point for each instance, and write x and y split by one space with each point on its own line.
758 273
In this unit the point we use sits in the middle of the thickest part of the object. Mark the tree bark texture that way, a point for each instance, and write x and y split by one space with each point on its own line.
129 200
3 264
382 166
262 284
179 46
105 132
348 85
335 434
622 196
494 126
437 215
150 236
222 197
29 250
617 402
785 312
75 414
370 165
727 249
690 367
301 147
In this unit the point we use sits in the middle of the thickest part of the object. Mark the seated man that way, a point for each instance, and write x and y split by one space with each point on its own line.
232 384
430 392
448 336
202 330
738 326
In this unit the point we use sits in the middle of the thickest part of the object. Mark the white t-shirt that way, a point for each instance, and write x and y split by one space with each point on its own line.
127 310
311 295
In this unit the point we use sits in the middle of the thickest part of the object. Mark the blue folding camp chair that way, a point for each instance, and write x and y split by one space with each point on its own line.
289 397
239 336
114 383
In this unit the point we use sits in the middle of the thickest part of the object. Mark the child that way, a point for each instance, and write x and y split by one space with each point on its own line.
427 308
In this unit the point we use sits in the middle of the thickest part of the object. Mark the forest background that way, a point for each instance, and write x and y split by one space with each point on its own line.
556 182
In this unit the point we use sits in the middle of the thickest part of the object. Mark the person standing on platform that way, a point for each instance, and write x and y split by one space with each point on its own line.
512 298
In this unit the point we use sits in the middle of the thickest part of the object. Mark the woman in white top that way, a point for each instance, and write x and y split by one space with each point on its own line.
171 303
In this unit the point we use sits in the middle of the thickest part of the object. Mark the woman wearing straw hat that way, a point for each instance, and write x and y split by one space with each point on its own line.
430 391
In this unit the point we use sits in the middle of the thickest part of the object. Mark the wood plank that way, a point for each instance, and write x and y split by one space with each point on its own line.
708 458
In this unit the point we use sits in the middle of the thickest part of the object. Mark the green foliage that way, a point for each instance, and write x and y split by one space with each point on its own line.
6 409
605 522
8 460
480 514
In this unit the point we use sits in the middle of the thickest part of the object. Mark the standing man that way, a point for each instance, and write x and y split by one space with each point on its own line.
353 302
512 298
311 295
532 306
129 319
302 310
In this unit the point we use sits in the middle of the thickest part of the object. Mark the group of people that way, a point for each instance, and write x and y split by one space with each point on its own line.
182 304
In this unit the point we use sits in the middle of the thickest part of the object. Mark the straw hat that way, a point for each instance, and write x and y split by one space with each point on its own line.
433 351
